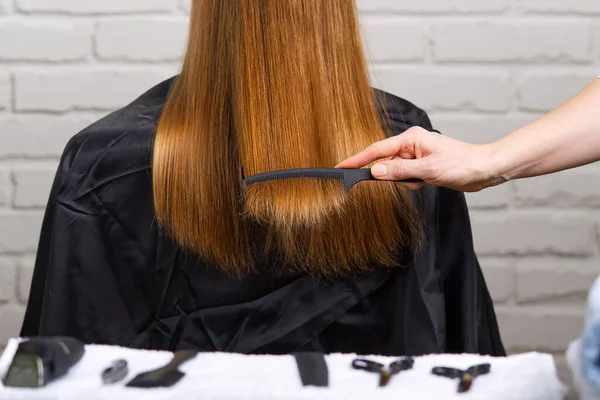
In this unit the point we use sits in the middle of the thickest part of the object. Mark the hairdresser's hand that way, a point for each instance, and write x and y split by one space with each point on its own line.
434 158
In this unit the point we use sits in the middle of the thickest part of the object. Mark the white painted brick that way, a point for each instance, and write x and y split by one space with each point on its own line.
571 188
39 136
44 41
82 89
512 41
583 7
7 279
11 316
25 273
548 329
495 197
532 232
479 129
32 187
500 278
5 187
20 231
94 6
555 279
433 6
390 40
450 91
142 39
185 5
545 91
4 91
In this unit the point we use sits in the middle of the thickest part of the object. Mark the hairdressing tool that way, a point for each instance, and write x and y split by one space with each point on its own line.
165 376
385 374
313 369
349 176
117 371
41 360
466 377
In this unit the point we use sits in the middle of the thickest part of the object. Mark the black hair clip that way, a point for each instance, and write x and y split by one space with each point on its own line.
385 375
313 368
466 377
117 371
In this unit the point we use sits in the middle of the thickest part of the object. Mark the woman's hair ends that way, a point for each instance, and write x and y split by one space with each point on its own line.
269 85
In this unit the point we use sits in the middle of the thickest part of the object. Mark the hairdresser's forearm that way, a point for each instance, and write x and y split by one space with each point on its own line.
567 137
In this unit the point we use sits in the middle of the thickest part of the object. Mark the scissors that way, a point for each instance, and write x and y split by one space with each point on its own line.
385 374
466 377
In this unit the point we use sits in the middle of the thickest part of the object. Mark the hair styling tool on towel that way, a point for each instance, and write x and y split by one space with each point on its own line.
350 176
313 369
165 376
117 371
41 360
466 377
385 374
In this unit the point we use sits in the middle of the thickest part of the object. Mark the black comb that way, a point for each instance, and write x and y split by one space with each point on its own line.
165 376
350 176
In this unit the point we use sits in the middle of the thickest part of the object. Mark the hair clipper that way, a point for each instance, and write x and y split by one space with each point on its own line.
41 360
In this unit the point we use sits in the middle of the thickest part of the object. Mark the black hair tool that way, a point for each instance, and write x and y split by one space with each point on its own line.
385 374
313 368
165 376
350 176
465 377
116 372
40 360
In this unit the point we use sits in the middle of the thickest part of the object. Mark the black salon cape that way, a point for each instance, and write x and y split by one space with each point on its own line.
106 275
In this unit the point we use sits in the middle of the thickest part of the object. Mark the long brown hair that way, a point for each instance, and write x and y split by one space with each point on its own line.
268 85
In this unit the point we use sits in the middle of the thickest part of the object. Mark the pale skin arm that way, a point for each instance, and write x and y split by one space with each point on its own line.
565 138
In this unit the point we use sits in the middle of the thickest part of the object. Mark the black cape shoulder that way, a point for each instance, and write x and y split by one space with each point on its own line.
104 272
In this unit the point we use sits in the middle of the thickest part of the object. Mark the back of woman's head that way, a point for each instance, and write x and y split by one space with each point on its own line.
269 85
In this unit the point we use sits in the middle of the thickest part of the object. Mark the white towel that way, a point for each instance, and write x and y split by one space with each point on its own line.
529 376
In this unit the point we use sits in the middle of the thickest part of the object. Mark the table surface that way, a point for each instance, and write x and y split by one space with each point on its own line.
235 376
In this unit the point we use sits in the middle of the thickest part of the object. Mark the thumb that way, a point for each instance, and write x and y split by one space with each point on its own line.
398 169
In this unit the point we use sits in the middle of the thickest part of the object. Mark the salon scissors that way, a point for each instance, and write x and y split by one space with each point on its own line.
385 374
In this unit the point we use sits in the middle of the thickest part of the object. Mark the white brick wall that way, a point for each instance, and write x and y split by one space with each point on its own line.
44 41
78 88
480 68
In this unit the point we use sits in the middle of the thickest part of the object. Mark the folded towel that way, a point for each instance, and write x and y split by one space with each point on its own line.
529 376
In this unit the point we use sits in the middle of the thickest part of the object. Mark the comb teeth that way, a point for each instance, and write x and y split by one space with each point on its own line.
295 174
